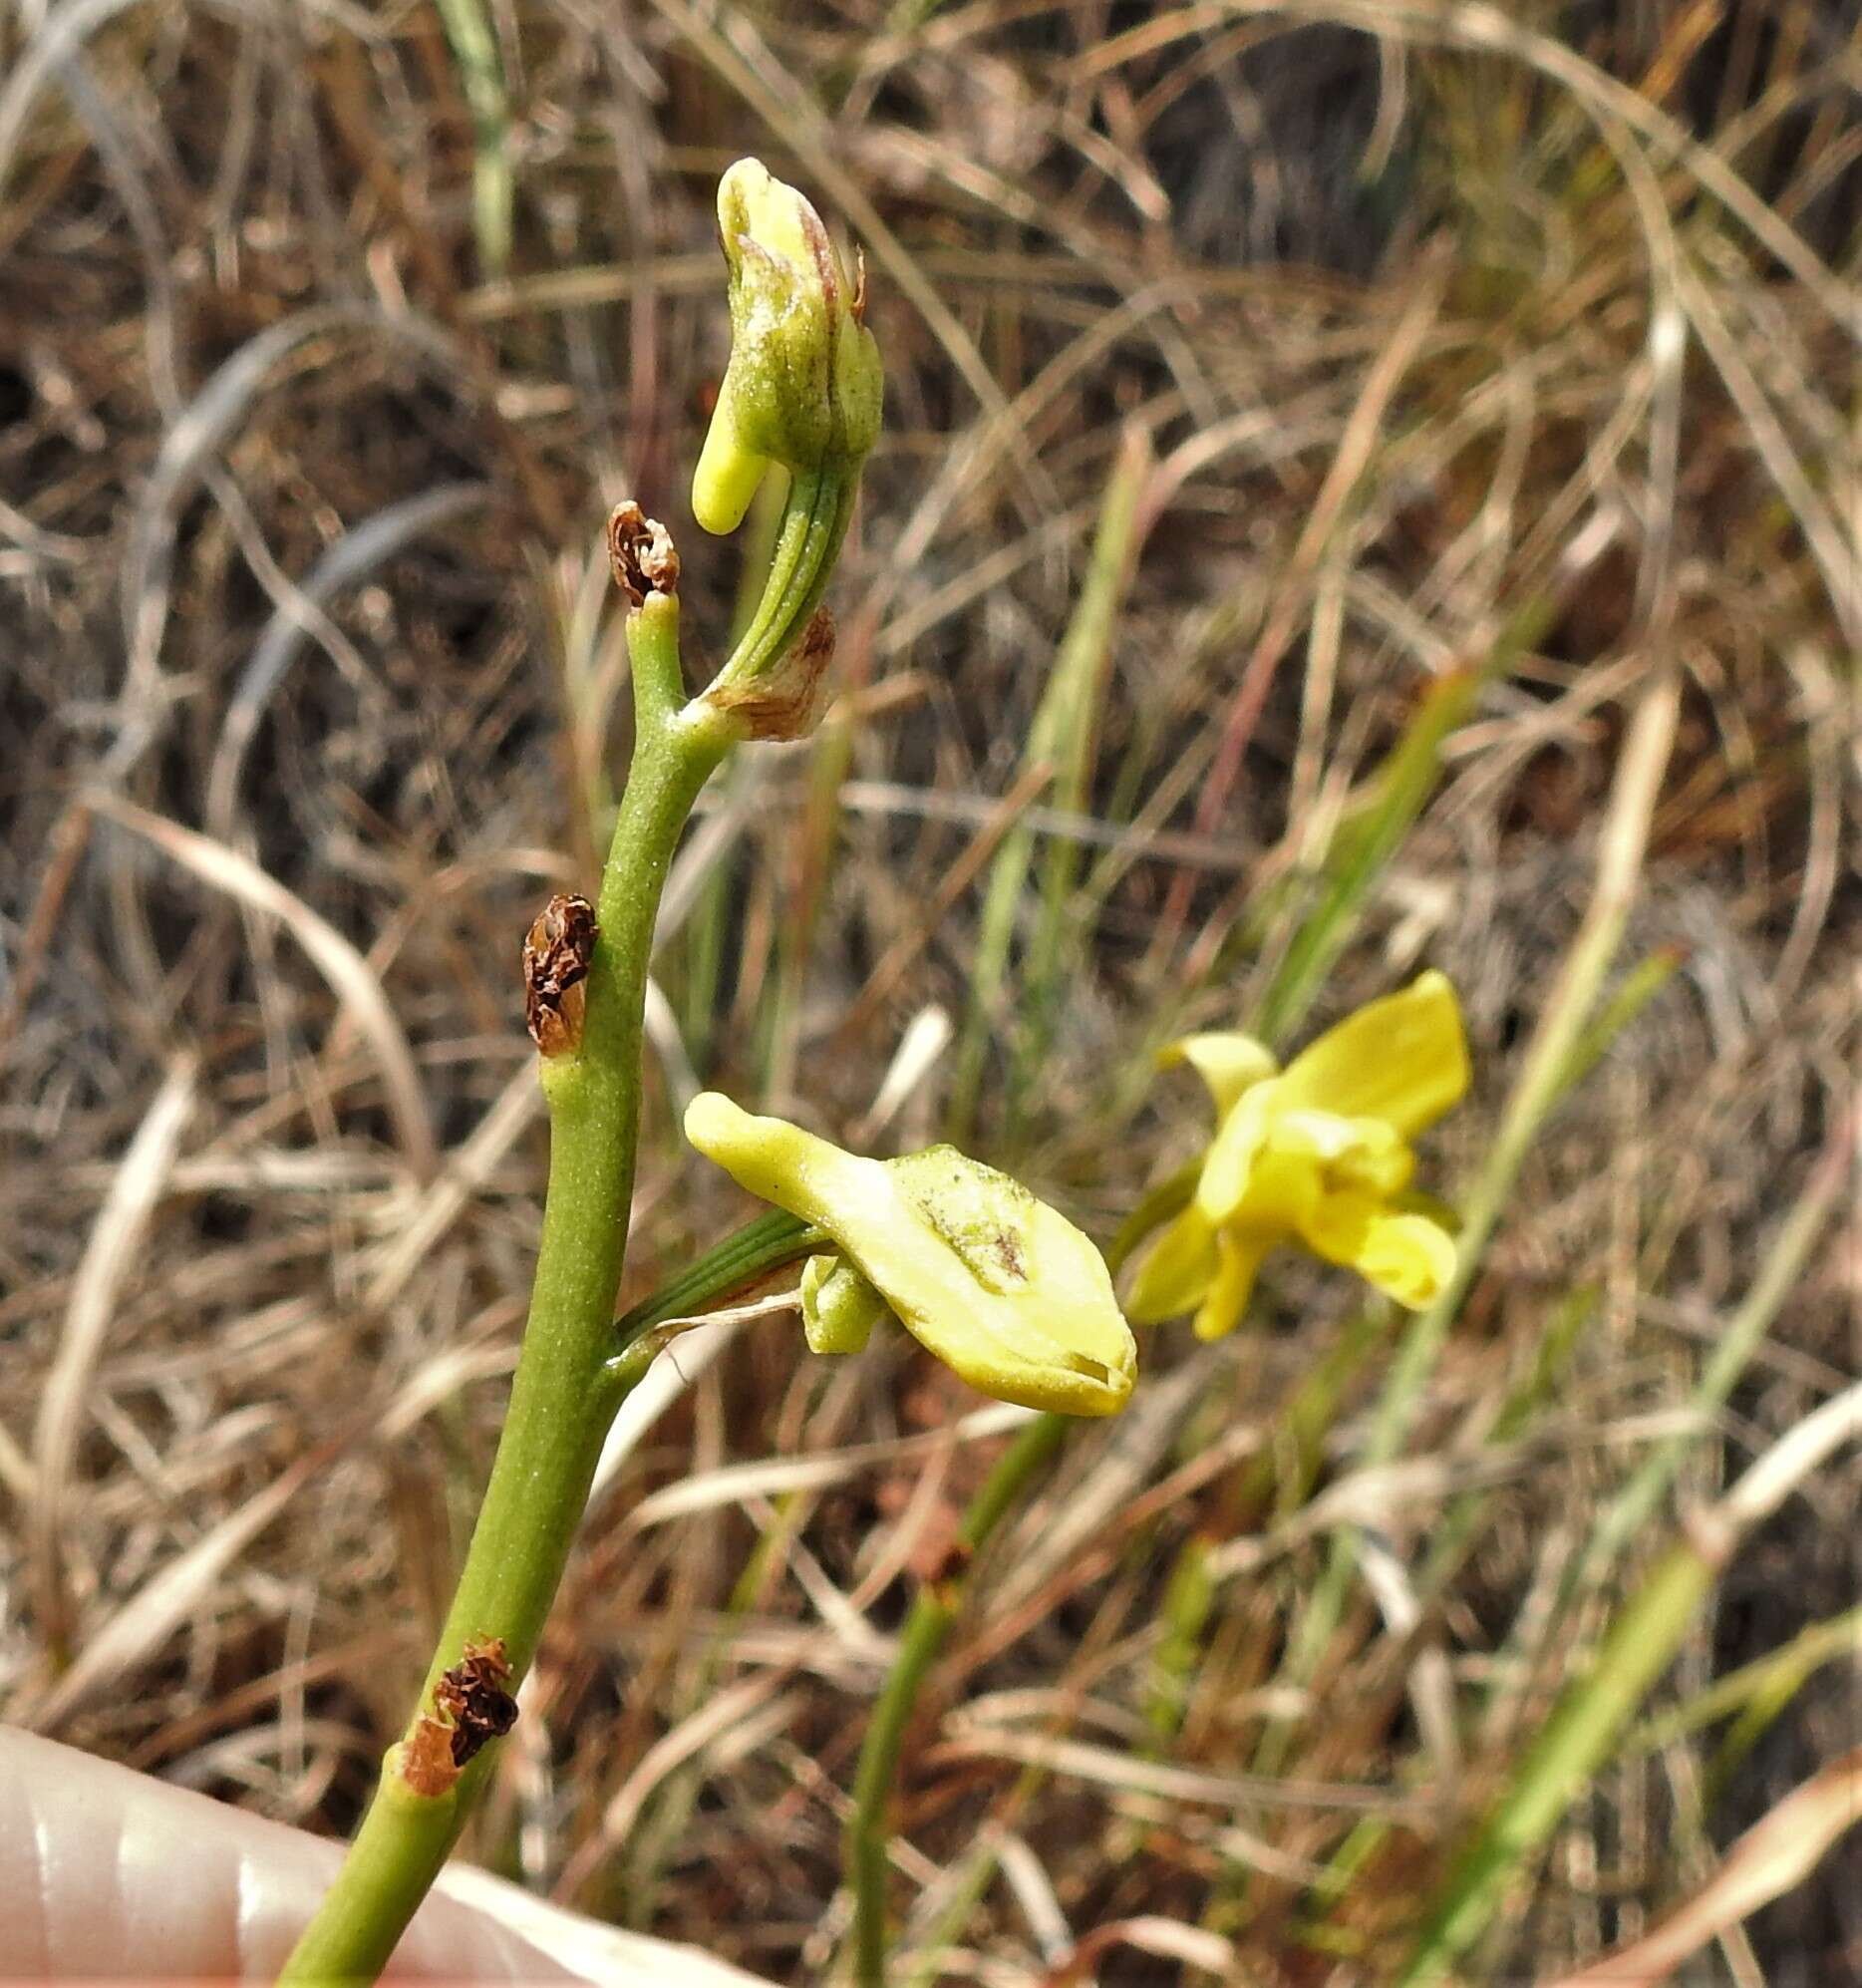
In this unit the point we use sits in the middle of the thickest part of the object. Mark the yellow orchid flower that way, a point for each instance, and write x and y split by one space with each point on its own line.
1005 1290
1317 1154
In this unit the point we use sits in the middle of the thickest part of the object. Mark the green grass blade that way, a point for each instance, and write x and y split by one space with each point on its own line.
481 77
1061 736
1366 841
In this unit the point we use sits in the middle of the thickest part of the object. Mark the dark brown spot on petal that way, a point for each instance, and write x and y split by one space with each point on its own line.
1009 1255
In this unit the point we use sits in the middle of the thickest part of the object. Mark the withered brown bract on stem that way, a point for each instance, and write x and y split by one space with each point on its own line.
472 1706
473 1693
556 952
641 554
787 701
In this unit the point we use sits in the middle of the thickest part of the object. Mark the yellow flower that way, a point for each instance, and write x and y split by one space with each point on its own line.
1317 1154
1007 1292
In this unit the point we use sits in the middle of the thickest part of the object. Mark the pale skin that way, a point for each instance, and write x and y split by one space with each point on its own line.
105 1872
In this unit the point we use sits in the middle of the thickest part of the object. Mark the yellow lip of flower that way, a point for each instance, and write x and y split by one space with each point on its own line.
1001 1288
1315 1154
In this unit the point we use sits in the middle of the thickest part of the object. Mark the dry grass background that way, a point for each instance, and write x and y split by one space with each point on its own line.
1520 341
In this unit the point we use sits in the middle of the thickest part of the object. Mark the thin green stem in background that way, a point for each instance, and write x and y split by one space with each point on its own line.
1544 1076
932 1613
808 861
1061 736
1635 1505
1575 1739
1646 1633
1366 841
1454 1535
568 1381
1757 1693
1080 672
481 75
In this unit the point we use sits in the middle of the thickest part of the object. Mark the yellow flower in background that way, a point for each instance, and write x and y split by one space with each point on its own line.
1005 1290
1317 1154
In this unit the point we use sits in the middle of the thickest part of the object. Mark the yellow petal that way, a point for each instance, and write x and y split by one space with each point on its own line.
1228 1063
782 1163
1004 1289
1403 1059
1405 1256
1358 1152
1408 1258
1239 1252
1283 1190
1176 1271
1232 1152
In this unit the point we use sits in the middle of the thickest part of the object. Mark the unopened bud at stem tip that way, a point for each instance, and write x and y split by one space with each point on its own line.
803 386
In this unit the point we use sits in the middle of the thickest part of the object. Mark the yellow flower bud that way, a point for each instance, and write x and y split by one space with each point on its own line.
803 387
839 1308
1005 1290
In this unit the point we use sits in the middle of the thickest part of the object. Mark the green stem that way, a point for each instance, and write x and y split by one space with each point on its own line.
816 514
932 1613
744 1255
568 1382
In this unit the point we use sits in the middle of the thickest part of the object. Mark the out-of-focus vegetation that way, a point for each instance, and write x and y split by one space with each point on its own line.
1363 486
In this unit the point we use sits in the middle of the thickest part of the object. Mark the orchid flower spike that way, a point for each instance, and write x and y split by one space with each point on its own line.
1006 1291
1317 1154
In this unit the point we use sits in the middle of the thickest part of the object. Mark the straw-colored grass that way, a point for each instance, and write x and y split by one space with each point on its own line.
1462 402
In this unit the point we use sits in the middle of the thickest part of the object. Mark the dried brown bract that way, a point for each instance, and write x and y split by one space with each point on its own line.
425 1761
473 1695
786 702
556 952
640 550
